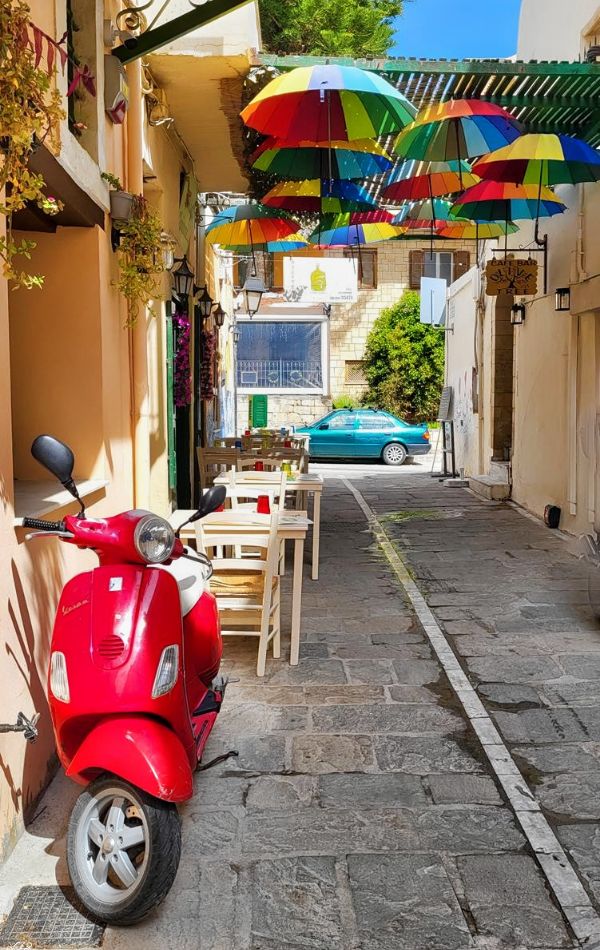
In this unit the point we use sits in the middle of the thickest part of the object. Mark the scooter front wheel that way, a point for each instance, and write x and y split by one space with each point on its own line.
123 850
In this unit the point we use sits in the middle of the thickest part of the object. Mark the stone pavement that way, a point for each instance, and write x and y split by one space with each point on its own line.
361 813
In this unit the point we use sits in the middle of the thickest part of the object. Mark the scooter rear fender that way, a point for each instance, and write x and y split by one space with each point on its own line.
140 750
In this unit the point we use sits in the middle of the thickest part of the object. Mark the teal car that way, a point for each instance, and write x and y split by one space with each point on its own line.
366 434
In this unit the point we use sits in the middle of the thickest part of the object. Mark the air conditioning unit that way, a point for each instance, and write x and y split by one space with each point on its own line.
214 199
593 55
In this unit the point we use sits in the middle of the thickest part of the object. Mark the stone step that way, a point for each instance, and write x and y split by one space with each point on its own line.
489 487
500 471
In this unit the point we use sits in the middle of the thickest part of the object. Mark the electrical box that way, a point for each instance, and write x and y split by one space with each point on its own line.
258 412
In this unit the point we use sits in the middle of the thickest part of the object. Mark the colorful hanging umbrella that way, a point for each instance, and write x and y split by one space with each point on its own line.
328 103
414 181
476 230
547 159
456 130
351 235
504 201
319 195
378 216
249 225
292 243
299 160
423 213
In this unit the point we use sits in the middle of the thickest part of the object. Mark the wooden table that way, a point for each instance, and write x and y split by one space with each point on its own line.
292 526
304 483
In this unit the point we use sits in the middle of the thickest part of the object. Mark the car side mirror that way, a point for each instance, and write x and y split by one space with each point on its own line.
324 426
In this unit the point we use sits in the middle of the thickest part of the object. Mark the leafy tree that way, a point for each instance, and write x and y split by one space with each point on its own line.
329 27
405 362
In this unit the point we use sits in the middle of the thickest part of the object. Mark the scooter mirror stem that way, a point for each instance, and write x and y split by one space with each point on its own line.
72 488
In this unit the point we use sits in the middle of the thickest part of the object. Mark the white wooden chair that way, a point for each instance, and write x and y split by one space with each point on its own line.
211 462
247 588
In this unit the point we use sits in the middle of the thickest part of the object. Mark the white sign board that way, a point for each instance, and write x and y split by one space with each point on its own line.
433 301
320 279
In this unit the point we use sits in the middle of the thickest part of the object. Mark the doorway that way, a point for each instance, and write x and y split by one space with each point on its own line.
502 379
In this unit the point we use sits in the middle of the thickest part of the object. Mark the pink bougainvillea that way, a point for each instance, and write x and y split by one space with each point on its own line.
207 369
182 383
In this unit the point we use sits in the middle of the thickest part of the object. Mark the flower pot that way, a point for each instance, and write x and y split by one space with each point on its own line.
121 203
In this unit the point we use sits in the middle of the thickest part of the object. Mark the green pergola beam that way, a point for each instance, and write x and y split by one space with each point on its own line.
160 36
458 67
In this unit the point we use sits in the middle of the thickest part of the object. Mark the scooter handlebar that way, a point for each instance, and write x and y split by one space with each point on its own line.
41 525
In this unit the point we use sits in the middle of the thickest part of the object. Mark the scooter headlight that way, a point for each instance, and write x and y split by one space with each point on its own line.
154 539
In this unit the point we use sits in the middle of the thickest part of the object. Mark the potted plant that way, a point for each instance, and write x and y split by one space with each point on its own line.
121 201
140 257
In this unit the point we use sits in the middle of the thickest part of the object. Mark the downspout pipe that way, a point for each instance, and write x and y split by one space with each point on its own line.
139 390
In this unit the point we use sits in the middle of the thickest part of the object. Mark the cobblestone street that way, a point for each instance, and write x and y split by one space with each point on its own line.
362 813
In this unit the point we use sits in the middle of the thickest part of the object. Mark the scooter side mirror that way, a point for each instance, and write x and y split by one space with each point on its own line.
55 456
58 458
210 501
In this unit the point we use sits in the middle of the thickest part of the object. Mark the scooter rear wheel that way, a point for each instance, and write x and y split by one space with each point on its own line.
123 850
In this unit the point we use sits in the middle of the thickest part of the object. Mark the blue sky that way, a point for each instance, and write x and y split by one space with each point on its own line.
457 29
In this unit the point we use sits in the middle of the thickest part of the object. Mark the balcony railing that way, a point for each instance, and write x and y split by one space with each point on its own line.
279 374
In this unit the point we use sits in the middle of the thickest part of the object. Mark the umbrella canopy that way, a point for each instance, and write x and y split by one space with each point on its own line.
545 159
319 195
354 234
414 181
379 216
497 201
423 213
328 103
292 243
456 130
249 225
474 230
359 159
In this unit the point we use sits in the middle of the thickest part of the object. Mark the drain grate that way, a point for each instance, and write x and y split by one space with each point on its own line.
49 917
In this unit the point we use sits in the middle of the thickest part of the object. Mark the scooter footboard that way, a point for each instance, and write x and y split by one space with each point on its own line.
141 751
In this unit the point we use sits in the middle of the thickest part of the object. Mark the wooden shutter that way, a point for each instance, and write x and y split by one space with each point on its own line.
416 261
462 262
278 271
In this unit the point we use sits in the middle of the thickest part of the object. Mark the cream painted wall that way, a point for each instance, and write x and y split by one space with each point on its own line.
460 362
548 29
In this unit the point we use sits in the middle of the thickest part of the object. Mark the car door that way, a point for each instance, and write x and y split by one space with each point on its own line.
333 437
375 429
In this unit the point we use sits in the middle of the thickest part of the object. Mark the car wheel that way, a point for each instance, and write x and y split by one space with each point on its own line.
394 454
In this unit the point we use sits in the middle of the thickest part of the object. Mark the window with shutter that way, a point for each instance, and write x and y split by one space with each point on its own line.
416 264
462 263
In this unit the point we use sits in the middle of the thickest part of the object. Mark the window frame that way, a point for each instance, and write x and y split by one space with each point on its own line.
289 391
357 255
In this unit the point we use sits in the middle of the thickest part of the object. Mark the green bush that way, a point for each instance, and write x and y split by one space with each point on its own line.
344 402
404 362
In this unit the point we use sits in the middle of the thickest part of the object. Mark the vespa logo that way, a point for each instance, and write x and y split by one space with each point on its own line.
69 610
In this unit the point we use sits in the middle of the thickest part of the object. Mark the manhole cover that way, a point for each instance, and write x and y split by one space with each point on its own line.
49 917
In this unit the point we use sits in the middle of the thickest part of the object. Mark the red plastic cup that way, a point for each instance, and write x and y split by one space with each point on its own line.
262 505
287 444
259 466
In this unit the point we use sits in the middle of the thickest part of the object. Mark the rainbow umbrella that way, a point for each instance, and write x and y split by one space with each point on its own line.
297 160
292 243
319 195
378 216
414 181
456 130
476 230
542 159
249 226
505 201
350 235
328 103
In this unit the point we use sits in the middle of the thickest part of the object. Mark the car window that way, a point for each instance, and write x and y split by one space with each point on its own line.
343 420
375 421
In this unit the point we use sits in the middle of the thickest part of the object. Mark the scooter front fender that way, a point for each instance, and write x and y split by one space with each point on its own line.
140 750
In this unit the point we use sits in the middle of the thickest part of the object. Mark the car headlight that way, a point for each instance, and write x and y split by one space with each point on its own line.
154 539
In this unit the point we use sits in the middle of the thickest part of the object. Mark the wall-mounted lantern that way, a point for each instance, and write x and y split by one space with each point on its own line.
219 316
183 278
517 314
203 302
563 299
253 290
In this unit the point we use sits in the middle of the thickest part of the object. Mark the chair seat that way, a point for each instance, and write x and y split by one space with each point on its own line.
238 584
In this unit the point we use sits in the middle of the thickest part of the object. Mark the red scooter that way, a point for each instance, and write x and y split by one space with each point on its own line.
133 693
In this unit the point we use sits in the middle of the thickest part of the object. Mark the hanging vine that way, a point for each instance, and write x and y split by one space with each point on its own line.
30 112
140 258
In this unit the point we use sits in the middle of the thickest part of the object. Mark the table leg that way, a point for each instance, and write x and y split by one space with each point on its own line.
296 601
316 534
